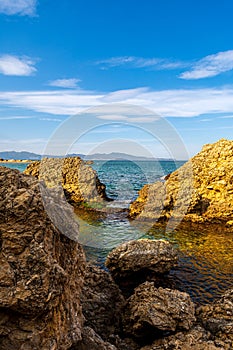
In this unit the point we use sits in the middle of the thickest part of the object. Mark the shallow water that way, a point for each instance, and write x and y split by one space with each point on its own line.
205 267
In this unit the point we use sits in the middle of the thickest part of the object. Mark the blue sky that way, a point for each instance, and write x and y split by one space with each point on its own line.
173 58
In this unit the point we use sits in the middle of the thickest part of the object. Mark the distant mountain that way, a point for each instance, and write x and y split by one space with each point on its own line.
96 156
117 156
19 155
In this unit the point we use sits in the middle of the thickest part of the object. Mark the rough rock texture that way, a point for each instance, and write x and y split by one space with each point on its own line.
201 190
102 302
195 339
143 255
41 271
150 311
92 341
79 181
218 317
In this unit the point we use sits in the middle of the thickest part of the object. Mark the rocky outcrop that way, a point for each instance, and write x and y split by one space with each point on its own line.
92 341
102 302
41 271
201 190
151 311
218 317
195 339
79 181
144 255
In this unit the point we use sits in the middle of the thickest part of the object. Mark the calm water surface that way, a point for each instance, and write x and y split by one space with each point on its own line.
205 268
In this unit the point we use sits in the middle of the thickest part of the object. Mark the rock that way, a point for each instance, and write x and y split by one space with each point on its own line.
144 256
79 181
196 339
201 190
102 302
92 341
218 317
151 312
41 271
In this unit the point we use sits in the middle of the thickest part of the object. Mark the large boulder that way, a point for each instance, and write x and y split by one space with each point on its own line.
195 339
41 270
151 311
142 256
102 302
201 190
218 317
79 181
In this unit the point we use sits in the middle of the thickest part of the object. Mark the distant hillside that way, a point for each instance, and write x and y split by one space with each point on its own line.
19 155
117 156
97 156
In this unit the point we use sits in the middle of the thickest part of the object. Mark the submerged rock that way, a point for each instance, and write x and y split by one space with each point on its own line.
41 271
201 190
151 311
79 181
144 256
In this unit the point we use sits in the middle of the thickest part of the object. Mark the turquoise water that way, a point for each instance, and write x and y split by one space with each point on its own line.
18 166
206 252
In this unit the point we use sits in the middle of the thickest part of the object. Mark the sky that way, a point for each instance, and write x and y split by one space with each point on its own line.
140 77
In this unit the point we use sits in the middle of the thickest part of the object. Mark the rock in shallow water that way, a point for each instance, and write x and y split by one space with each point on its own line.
201 190
144 255
79 181
151 311
218 317
41 271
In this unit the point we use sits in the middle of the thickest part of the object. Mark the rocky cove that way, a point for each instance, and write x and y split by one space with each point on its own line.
52 299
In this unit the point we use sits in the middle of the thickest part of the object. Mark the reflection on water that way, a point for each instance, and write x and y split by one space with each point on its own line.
205 267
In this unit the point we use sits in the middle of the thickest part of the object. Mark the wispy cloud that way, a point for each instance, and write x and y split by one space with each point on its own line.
51 119
210 66
140 62
15 117
65 83
167 103
18 7
13 65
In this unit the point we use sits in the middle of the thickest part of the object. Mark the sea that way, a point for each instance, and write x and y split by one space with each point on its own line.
205 268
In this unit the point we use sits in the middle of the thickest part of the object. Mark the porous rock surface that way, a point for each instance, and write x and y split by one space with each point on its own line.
102 302
201 190
218 317
79 181
153 311
41 271
143 255
195 339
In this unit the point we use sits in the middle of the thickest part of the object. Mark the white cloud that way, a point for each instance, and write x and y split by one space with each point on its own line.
210 66
167 103
51 119
18 7
13 65
65 83
15 117
141 62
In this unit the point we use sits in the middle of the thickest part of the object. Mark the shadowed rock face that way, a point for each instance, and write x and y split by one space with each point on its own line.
195 339
201 190
102 302
218 317
79 181
152 311
41 271
143 255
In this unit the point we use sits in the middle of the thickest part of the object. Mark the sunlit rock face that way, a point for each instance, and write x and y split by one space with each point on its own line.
41 271
79 181
201 190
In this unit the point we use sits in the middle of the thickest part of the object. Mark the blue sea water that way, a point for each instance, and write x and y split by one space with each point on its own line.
206 254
